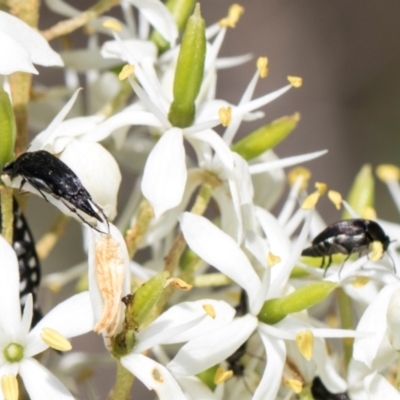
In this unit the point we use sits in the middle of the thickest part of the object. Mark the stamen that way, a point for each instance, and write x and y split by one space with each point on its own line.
222 376
360 281
388 172
210 310
377 251
9 387
55 340
272 259
234 13
262 66
225 115
295 173
295 81
294 384
321 187
335 198
305 344
113 25
126 72
310 201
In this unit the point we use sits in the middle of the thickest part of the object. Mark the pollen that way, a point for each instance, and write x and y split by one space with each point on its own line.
179 284
305 344
225 115
9 387
262 66
295 81
157 375
210 310
234 14
112 24
295 173
310 201
294 384
272 259
222 376
321 187
127 71
377 250
369 213
55 340
360 281
388 172
336 198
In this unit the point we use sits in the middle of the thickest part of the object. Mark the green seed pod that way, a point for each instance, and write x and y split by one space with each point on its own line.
276 310
266 137
7 129
189 71
180 11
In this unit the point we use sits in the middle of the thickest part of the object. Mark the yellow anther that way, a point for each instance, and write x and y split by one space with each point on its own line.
335 198
360 281
305 344
321 187
112 24
369 213
234 14
126 72
54 287
377 250
294 384
293 175
388 172
179 283
210 310
262 66
9 387
295 81
296 116
272 259
55 340
310 201
222 376
225 115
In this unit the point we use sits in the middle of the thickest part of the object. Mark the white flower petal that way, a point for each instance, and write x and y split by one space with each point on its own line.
165 174
209 349
220 251
61 7
195 389
37 46
10 309
72 317
139 48
26 316
81 60
154 376
229 62
40 383
377 387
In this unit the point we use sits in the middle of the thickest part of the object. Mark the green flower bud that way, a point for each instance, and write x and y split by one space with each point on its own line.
361 195
207 376
189 71
265 137
276 310
7 129
180 11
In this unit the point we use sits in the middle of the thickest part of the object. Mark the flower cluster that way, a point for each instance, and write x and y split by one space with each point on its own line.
225 305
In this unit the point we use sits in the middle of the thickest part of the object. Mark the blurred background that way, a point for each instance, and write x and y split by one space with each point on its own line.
347 53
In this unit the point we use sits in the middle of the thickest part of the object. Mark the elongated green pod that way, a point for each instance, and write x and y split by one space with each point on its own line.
7 129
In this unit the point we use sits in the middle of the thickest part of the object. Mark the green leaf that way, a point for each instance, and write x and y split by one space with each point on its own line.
7 129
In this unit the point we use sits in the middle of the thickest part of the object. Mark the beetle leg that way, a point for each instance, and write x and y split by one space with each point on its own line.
344 262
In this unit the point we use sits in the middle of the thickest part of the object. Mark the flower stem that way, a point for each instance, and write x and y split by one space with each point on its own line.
346 318
7 216
397 382
123 384
70 25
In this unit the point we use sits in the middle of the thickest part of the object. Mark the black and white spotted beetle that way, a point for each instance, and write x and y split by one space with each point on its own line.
28 261
346 237
48 174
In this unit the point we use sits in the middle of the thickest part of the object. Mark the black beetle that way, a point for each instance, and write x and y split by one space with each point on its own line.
346 237
28 261
320 392
48 174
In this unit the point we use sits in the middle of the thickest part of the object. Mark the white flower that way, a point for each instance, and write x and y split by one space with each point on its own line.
19 345
22 46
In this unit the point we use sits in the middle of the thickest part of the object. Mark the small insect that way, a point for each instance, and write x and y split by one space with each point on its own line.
49 175
346 237
28 261
320 392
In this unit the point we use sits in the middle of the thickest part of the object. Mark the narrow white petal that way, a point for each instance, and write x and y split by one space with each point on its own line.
165 174
14 57
26 317
154 376
72 317
285 162
220 251
159 17
81 60
229 62
40 383
196 389
10 309
37 46
207 350
379 388
272 376
61 7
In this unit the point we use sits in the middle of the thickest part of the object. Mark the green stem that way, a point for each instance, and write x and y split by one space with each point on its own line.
118 101
306 393
397 382
346 319
7 216
123 384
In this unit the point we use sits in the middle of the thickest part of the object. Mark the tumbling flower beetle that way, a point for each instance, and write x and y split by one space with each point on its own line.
48 174
346 237
28 261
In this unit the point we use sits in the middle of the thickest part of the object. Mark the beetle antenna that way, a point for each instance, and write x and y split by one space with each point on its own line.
391 258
